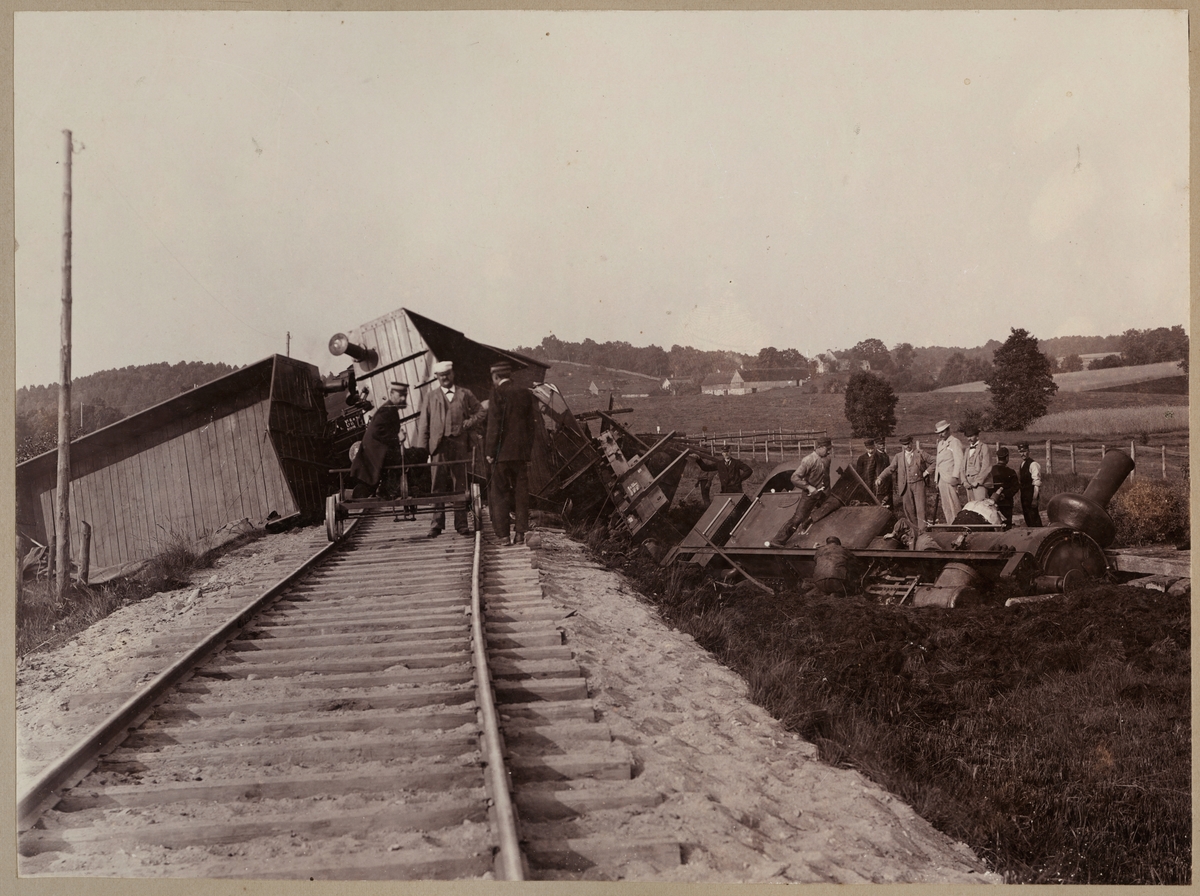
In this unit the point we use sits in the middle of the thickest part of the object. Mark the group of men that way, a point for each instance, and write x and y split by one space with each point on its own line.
449 415
900 481
954 466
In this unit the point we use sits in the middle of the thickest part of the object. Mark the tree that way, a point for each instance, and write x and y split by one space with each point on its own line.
1071 363
872 351
870 406
1021 382
903 356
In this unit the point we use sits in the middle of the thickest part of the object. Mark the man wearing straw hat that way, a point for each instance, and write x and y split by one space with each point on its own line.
948 470
508 446
448 415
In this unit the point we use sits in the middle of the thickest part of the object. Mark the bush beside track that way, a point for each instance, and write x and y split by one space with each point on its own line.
1054 739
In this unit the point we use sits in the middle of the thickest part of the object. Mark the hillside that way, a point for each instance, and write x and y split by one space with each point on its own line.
573 381
1092 380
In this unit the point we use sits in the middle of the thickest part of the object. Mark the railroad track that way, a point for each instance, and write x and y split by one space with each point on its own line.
398 708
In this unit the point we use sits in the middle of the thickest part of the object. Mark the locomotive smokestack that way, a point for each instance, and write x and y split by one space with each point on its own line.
1087 512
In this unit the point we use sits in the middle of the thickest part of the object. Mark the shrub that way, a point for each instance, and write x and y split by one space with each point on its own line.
1149 511
975 417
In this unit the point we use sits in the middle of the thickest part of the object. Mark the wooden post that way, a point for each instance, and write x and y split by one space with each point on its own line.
1049 458
1073 470
1102 452
1132 457
63 526
1164 459
85 552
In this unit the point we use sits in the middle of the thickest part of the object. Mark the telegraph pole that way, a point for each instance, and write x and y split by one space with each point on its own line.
62 528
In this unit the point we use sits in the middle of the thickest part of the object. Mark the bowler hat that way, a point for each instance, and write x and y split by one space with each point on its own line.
824 443
1002 453
907 440
1022 446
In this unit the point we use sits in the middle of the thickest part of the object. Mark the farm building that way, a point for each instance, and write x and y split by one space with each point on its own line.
241 447
717 383
747 382
828 362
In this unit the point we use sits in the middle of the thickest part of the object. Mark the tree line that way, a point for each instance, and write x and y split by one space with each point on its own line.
904 367
102 398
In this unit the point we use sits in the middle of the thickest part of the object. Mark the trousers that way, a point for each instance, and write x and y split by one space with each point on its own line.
450 479
509 494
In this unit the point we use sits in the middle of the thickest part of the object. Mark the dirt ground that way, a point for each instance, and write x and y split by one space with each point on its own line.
748 800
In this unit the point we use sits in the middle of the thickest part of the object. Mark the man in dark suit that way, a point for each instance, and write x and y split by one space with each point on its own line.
1005 484
507 446
382 444
871 464
448 415
731 473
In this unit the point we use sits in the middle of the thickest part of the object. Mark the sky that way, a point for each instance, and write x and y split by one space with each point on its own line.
725 180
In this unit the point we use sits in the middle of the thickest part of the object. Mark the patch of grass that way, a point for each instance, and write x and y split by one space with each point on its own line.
45 623
1054 739
1150 511
1101 422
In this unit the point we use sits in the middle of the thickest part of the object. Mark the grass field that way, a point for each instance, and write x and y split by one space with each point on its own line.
916 412
1101 422
1087 380
1054 739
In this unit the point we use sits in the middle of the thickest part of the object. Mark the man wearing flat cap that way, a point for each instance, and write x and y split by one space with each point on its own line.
448 415
977 464
382 444
811 481
508 445
1029 476
948 470
908 470
870 464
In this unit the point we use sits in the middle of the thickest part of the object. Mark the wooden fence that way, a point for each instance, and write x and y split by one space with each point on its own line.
767 445
1083 458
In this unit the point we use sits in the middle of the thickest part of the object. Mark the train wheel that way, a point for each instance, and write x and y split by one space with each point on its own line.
334 527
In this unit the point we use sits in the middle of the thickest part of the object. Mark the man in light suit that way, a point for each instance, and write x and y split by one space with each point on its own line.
908 470
977 465
448 415
948 470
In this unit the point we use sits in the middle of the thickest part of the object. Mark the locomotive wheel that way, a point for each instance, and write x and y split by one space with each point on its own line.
334 527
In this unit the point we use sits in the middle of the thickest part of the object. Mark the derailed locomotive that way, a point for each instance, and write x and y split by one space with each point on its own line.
949 565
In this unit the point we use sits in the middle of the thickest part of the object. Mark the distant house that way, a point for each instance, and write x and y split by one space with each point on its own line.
716 383
828 362
672 383
747 382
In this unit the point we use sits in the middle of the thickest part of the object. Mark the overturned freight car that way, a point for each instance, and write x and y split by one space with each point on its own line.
950 565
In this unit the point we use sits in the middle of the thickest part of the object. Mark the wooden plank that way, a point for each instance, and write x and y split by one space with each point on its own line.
233 473
140 505
202 480
195 480
222 494
259 443
149 478
225 462
246 486
110 488
157 460
184 520
121 505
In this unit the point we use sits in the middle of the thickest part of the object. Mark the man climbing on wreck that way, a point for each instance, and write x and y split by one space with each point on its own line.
811 480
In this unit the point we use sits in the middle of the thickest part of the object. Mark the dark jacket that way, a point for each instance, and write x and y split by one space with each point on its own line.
382 434
731 474
832 561
509 424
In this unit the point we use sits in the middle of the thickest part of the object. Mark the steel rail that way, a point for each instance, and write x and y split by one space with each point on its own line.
511 867
43 791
